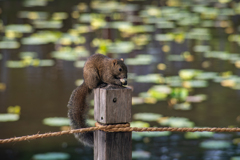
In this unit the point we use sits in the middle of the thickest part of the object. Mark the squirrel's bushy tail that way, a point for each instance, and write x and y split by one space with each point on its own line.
77 112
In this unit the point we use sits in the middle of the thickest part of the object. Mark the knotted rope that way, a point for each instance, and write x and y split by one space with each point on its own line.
117 128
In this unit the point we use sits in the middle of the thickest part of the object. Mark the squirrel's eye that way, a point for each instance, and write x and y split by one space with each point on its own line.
120 69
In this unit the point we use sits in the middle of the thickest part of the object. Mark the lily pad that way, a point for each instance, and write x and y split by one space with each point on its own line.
195 84
176 122
147 116
139 124
140 154
22 28
182 106
206 75
215 144
149 78
56 121
189 73
137 100
196 98
51 156
197 135
9 45
151 134
5 117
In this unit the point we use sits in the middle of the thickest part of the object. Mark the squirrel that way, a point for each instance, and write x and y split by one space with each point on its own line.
98 71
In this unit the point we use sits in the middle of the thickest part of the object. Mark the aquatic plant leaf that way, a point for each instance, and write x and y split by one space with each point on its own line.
176 122
9 44
182 106
15 64
137 100
139 124
56 121
91 122
206 75
141 154
197 135
152 134
215 144
23 55
189 73
147 116
5 117
195 84
51 156
22 28
149 78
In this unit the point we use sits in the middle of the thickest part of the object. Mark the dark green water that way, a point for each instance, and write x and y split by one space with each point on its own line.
43 92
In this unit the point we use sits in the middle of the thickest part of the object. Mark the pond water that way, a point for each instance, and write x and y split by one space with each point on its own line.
183 60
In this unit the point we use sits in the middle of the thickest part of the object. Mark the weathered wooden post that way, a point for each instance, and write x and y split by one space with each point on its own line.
112 105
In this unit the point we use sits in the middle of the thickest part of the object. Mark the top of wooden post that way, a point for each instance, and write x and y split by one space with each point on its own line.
112 104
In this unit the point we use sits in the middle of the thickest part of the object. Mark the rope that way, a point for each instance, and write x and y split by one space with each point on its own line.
117 128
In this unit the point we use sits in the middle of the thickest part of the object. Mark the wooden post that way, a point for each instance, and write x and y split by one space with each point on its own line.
112 105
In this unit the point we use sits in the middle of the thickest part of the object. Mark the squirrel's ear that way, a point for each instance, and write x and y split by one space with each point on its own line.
122 59
114 62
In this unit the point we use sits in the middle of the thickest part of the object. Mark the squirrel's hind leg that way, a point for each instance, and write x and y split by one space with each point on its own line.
91 78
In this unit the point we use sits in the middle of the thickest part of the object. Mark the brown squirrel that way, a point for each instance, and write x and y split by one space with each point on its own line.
98 71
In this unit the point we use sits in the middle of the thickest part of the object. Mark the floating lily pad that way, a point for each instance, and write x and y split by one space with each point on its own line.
15 64
182 106
189 73
59 15
196 98
137 100
48 24
9 45
174 81
175 57
147 116
162 88
139 135
23 55
164 37
56 121
215 144
150 78
140 154
176 122
32 3
206 75
121 47
156 94
22 28
42 37
5 117
195 84
33 15
139 124
179 93
70 55
91 122
197 135
78 82
51 156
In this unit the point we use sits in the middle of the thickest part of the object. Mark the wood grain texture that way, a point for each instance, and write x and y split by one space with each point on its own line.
112 105
96 103
112 145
